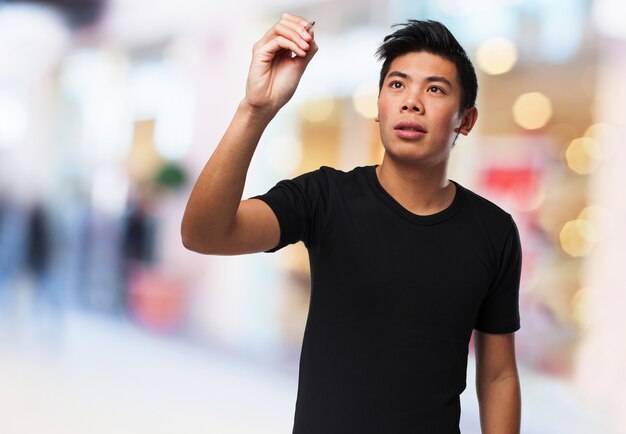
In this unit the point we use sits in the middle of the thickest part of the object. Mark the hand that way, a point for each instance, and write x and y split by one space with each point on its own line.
275 72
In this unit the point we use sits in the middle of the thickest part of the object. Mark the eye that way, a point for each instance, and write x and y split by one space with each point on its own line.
395 84
435 89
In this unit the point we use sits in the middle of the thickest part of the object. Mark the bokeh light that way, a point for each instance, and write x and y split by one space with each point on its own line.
606 137
577 237
496 56
602 220
583 155
532 110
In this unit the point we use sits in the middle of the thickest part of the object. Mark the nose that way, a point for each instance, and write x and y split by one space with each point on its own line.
412 104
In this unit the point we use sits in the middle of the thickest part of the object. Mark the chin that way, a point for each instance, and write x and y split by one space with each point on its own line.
411 154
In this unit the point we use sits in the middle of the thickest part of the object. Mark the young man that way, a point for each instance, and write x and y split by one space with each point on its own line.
405 263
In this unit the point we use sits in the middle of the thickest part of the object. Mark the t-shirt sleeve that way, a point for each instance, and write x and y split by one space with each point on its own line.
499 312
299 205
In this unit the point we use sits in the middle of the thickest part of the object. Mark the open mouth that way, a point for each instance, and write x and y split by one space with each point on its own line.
410 127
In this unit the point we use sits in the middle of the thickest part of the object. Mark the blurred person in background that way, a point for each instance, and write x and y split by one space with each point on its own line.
405 263
41 264
12 245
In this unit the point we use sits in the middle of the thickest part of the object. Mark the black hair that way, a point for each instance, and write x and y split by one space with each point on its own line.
435 38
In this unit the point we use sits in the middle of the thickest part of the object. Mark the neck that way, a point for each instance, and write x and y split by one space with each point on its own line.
421 190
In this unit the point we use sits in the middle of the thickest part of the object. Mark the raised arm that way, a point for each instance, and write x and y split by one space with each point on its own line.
216 220
497 383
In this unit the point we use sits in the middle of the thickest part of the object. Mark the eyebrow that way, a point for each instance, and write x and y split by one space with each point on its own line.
429 79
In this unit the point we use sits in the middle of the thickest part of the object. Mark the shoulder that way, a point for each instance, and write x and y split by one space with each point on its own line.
488 218
323 172
332 176
343 174
322 180
488 211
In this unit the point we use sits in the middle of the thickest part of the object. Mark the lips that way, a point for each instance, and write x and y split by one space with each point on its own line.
409 126
409 130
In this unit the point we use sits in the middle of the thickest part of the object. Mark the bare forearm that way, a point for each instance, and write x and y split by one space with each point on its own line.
274 74
500 405
216 195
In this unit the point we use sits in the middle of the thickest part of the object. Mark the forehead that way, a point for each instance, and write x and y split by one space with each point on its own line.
424 64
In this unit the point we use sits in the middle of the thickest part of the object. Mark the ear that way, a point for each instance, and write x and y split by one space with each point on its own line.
467 121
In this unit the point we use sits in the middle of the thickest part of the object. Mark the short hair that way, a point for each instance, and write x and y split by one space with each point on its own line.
435 38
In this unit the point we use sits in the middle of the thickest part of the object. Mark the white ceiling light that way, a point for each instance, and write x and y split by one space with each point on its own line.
608 17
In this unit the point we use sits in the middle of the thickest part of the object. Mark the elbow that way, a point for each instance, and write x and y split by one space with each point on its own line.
188 243
192 245
189 239
198 242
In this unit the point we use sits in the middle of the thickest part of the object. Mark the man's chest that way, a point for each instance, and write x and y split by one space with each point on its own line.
412 274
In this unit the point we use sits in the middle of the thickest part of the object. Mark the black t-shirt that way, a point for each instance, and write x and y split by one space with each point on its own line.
394 299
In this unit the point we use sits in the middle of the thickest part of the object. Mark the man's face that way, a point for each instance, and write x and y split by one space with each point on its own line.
418 109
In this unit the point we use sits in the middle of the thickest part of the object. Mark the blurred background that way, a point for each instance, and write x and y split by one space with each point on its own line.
109 109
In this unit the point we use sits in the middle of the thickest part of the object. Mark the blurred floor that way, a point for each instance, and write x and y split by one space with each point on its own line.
102 375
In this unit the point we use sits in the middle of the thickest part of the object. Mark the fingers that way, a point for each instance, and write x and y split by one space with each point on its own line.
298 24
312 49
292 34
295 30
281 43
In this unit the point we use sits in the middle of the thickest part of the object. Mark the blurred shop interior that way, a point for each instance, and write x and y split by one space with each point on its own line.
110 109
